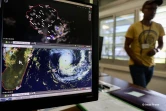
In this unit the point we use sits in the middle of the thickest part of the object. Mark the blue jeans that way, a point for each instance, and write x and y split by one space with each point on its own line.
141 75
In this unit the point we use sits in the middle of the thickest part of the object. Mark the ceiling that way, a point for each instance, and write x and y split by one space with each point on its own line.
104 2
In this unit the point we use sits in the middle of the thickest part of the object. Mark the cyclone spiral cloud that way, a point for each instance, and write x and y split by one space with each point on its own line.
70 65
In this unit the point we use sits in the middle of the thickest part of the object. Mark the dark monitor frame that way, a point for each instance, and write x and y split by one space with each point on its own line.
47 102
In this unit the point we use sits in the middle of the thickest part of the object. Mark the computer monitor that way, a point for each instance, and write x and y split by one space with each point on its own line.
49 53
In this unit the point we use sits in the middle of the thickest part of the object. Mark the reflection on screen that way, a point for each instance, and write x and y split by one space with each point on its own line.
46 49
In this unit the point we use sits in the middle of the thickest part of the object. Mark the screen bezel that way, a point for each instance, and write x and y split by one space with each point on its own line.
47 102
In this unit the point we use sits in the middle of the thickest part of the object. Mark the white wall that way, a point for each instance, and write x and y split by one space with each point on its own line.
121 6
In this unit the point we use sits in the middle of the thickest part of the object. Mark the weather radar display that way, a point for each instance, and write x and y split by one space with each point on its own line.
27 69
46 21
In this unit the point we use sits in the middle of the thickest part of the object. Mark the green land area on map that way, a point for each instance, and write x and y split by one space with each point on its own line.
16 61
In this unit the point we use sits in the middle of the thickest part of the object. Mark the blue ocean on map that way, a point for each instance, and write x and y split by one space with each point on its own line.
56 69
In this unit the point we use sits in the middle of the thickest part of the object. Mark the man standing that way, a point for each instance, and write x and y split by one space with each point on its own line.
140 44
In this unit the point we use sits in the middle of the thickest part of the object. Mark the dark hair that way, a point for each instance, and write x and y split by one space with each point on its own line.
158 2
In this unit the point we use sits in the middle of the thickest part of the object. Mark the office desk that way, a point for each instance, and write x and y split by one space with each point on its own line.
124 84
131 100
151 101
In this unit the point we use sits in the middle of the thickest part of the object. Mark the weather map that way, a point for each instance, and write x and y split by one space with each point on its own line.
46 21
45 69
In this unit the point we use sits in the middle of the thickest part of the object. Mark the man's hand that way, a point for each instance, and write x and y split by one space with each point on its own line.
151 52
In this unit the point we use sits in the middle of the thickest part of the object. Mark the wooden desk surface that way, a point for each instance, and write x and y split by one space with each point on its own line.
74 108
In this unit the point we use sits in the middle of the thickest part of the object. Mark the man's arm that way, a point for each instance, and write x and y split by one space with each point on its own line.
160 39
159 47
160 42
128 50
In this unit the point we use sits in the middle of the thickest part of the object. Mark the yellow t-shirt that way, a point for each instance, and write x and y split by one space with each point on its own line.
142 34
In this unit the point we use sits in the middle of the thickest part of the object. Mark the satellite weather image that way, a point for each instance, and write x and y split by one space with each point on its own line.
45 69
